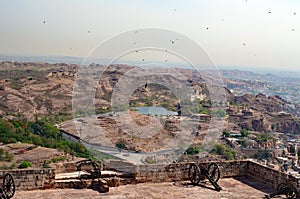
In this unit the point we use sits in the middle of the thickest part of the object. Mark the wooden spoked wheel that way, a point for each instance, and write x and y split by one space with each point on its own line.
194 174
9 186
291 191
213 171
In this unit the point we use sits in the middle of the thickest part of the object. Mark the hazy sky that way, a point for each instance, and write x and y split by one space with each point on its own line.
259 33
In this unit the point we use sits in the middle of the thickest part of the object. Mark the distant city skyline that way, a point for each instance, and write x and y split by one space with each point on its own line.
235 33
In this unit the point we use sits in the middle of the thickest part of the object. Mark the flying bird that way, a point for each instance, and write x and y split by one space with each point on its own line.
44 21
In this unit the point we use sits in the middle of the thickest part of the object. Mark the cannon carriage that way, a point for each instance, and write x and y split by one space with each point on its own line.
197 173
93 173
8 187
285 188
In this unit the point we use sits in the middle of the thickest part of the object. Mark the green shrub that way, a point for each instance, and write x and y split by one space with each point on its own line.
5 155
57 159
226 133
192 150
25 164
150 160
262 154
244 132
262 137
220 149
121 144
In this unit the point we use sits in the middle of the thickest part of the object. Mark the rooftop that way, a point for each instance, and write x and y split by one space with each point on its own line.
239 188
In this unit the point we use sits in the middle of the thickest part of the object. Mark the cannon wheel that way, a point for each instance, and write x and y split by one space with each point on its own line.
9 187
280 186
291 192
213 171
194 174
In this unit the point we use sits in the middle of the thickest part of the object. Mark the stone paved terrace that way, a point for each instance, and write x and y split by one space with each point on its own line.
233 188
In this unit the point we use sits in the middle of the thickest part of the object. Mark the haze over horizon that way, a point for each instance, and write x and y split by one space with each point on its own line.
235 33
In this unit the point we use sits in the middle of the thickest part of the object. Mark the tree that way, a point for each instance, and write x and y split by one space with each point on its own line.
244 132
220 149
226 133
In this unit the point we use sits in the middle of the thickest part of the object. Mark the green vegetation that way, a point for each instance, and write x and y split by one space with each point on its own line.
203 111
102 156
13 166
58 159
40 133
263 154
150 160
5 155
168 106
262 137
47 163
56 119
218 113
220 149
15 84
121 144
273 126
226 133
242 141
25 164
244 132
192 150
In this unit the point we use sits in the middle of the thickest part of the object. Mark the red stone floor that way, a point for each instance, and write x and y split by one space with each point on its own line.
232 188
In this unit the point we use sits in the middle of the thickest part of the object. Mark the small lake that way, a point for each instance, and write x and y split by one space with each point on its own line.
146 110
153 110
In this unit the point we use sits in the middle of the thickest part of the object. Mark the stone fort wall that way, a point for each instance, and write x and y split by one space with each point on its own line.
32 179
179 171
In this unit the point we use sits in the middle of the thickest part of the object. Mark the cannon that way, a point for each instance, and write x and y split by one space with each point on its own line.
92 173
286 189
198 172
8 188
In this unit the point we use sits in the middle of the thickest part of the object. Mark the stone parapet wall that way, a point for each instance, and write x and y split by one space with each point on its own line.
179 171
270 176
32 179
161 173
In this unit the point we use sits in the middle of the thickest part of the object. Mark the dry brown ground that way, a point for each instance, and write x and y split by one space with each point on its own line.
240 188
36 155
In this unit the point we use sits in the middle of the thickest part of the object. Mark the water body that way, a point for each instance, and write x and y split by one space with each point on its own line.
153 110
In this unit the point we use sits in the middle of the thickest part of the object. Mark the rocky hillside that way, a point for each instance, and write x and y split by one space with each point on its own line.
263 114
38 89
